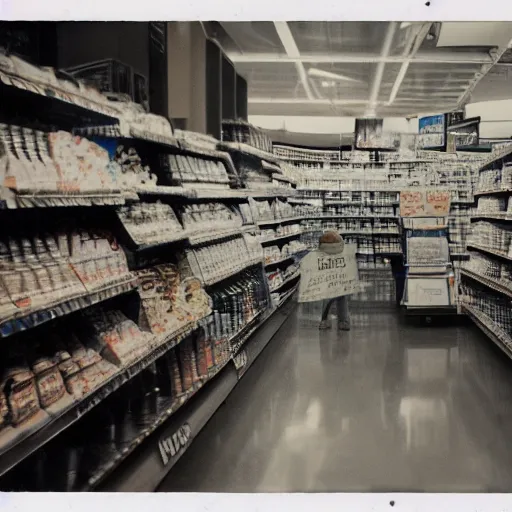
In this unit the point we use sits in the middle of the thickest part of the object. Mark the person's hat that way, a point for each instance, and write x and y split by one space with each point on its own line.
331 237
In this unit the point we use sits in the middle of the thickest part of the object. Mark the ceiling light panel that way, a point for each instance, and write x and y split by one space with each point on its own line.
251 37
388 80
338 36
271 80
304 109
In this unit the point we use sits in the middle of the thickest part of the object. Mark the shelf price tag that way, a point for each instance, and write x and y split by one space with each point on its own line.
172 446
240 361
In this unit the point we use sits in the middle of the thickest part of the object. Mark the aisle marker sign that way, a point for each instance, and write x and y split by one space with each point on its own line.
327 276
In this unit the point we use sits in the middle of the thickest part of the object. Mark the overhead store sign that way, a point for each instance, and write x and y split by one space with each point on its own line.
327 276
425 203
432 131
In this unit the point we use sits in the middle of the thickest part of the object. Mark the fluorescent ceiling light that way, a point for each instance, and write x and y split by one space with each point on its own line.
320 73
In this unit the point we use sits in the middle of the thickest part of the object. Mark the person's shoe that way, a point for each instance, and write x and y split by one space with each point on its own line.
344 326
324 325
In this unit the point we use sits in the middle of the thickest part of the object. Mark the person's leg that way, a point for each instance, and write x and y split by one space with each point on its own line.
343 313
326 322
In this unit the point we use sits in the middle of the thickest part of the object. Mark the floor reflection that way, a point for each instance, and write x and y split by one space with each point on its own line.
388 406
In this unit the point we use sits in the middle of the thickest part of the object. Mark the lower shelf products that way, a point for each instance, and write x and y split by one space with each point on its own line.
45 375
89 450
237 305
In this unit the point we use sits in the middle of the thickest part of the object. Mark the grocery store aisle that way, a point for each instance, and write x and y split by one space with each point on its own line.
388 406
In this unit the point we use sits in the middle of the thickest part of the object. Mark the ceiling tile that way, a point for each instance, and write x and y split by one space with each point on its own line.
250 37
338 36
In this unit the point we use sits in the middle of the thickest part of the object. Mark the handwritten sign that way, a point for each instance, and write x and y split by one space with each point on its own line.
326 276
438 203
424 203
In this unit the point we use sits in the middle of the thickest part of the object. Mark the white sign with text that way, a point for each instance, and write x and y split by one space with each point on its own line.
327 276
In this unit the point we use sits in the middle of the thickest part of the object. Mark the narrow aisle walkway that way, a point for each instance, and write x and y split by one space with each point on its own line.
388 406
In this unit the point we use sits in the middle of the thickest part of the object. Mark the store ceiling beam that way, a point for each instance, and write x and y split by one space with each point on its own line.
496 56
379 72
357 58
292 51
411 48
305 101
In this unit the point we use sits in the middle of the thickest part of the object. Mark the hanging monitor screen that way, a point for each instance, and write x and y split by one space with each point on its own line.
369 134
432 131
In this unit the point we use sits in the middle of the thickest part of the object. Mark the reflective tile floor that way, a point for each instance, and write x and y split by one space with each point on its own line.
389 406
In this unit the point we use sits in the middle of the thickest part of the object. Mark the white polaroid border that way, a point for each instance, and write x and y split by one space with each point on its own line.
209 502
244 10
334 10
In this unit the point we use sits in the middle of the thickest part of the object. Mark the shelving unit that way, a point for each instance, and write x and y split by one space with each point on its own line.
485 285
491 329
169 337
146 468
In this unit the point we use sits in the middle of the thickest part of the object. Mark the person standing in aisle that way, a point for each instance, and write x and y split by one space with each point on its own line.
331 242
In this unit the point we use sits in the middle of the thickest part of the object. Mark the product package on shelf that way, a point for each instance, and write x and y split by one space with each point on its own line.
489 267
360 211
489 205
252 172
459 228
236 305
117 338
282 210
294 153
280 231
134 173
44 81
245 211
169 302
261 210
97 259
243 132
145 125
199 139
150 223
210 262
307 211
56 164
492 309
193 171
254 247
275 253
363 198
286 183
495 179
278 277
40 271
210 218
491 236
